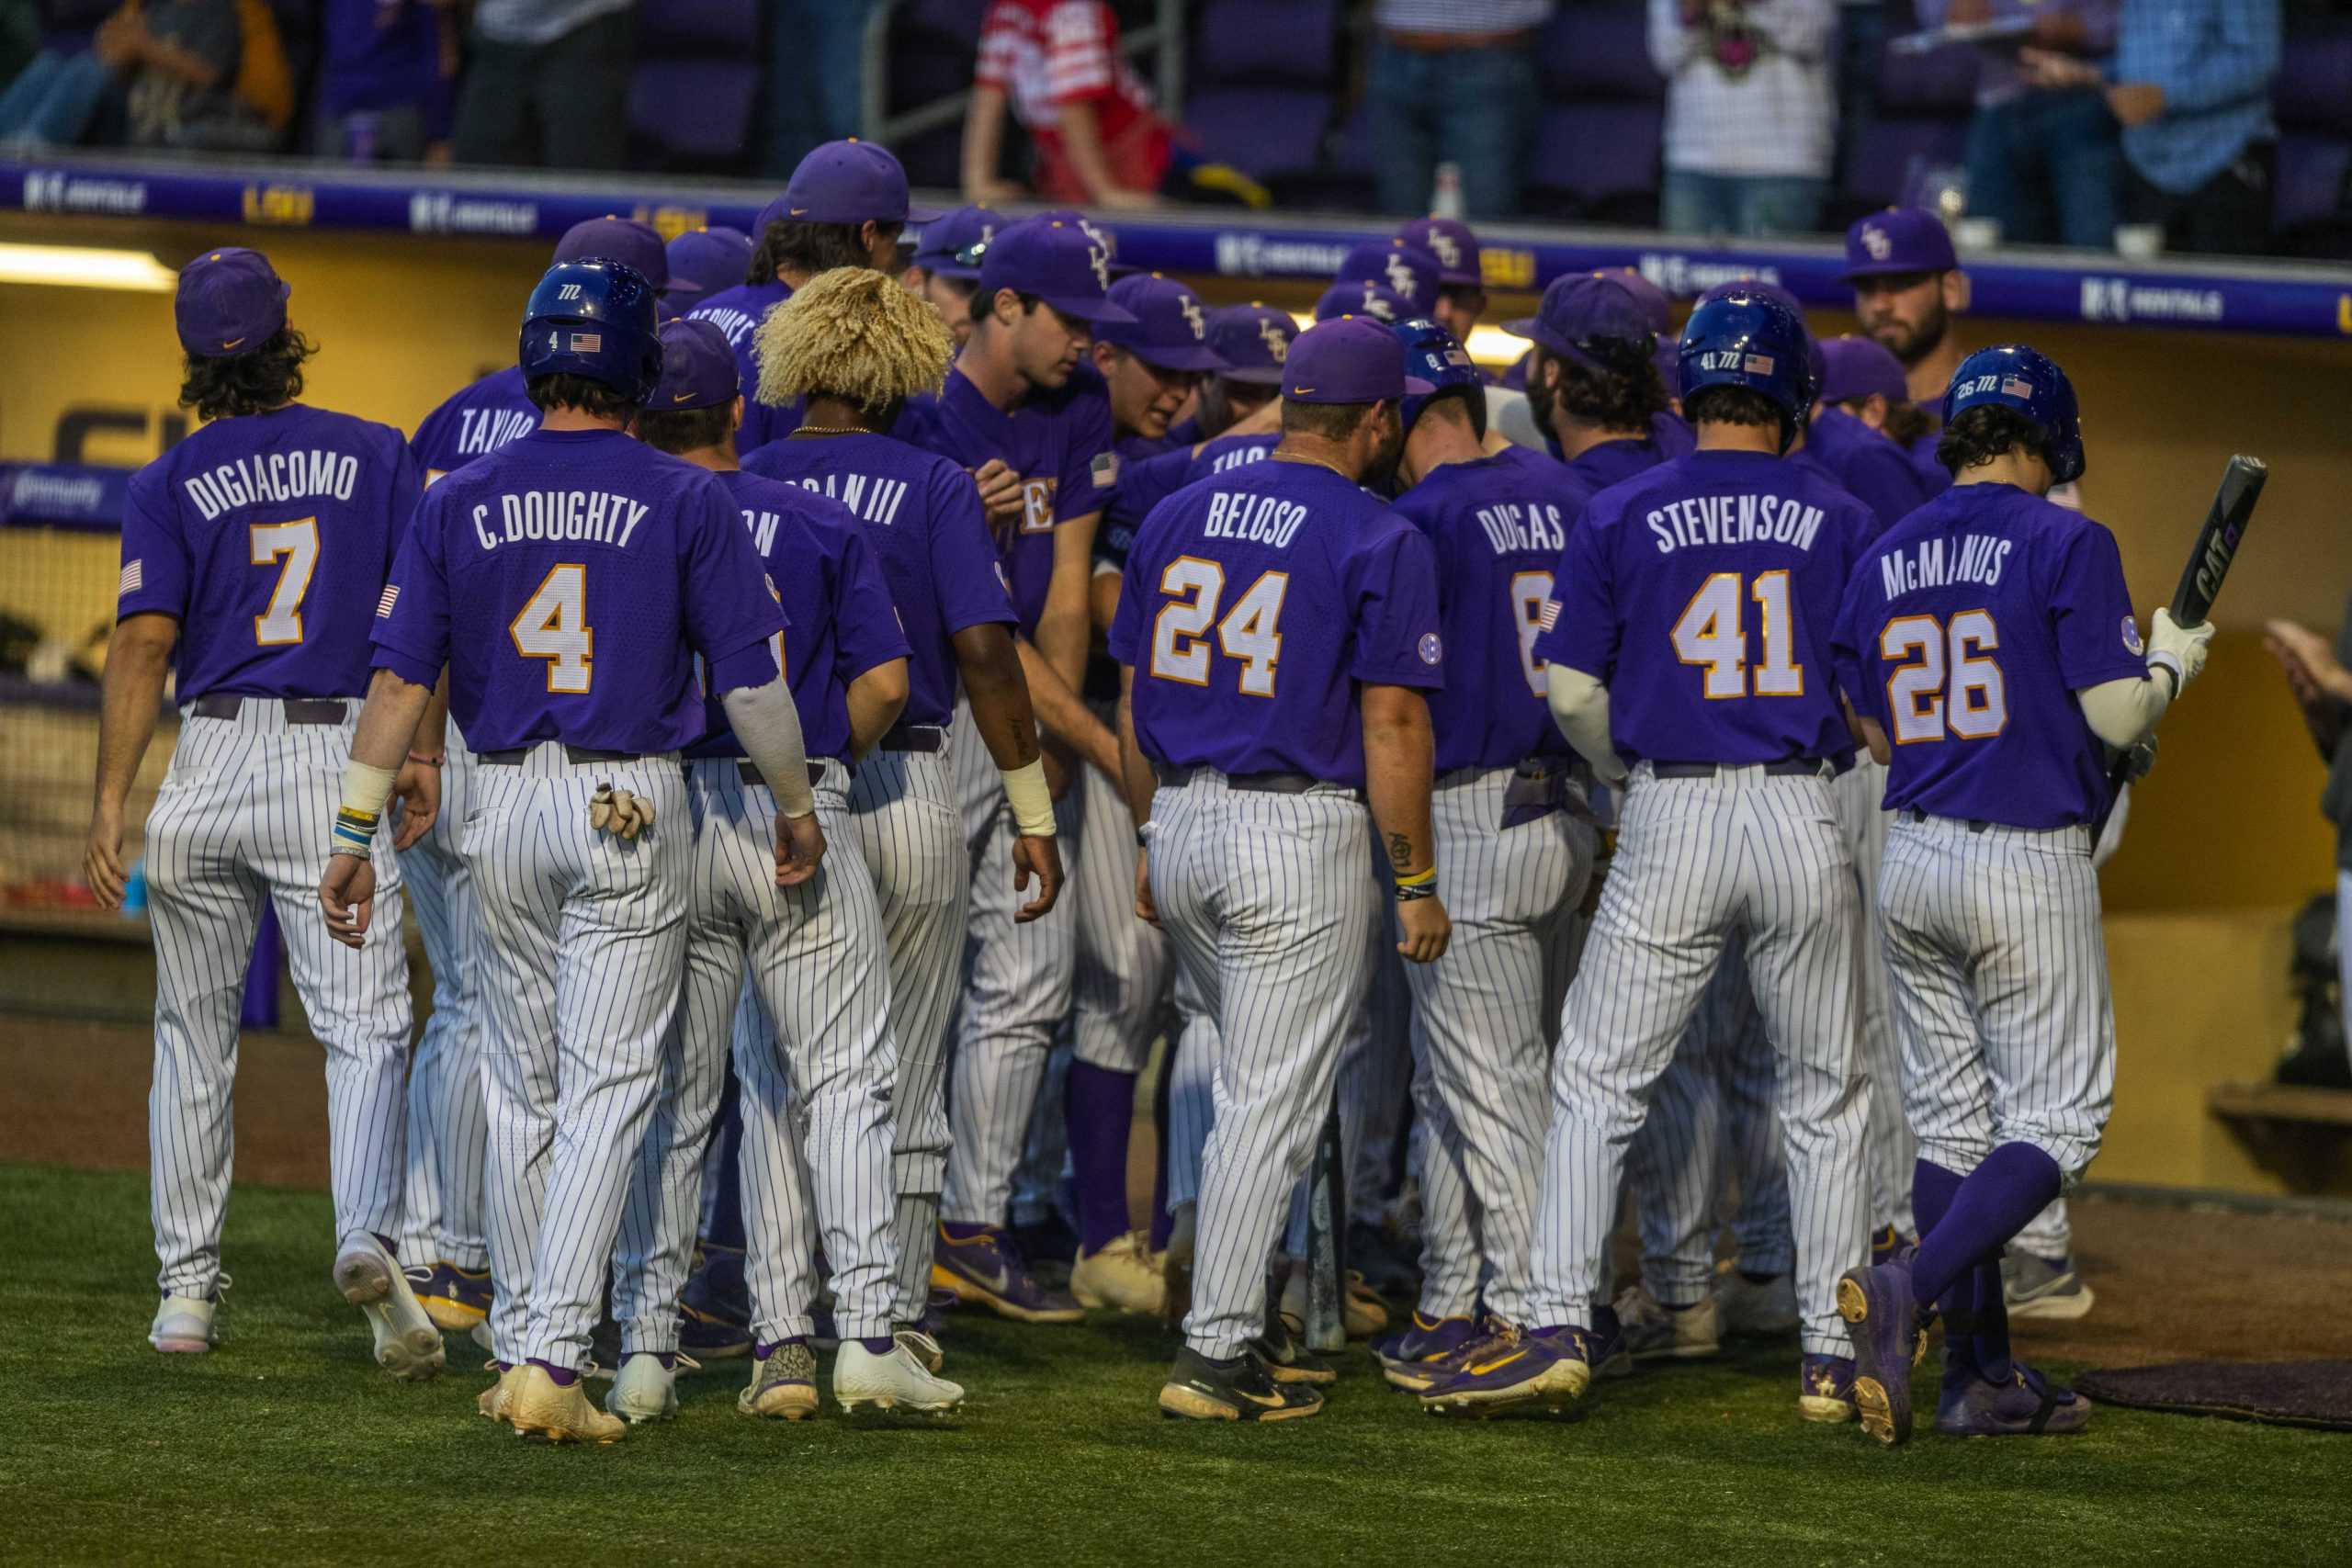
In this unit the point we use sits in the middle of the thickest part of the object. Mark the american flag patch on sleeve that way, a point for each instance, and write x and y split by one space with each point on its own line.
391 596
1550 617
134 577
1105 469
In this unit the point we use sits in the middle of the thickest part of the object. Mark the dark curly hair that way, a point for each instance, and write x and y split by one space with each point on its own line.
1905 422
810 248
1625 394
686 430
1734 405
565 390
1986 432
253 382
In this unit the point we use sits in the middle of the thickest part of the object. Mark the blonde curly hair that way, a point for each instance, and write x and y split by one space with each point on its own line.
855 334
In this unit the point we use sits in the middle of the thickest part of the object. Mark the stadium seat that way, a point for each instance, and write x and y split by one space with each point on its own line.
1924 105
2311 211
1596 156
1262 74
696 84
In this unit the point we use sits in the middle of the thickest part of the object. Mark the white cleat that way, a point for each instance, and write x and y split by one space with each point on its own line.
1124 1274
1749 1310
893 1381
183 1325
646 1390
923 1348
408 1344
1655 1331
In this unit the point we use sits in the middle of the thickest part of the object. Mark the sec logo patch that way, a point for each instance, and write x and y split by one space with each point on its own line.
2132 642
1432 650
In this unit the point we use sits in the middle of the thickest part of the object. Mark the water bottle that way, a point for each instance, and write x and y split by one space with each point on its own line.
134 889
1445 196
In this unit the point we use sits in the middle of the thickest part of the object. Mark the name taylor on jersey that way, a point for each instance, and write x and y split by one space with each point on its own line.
1929 564
592 516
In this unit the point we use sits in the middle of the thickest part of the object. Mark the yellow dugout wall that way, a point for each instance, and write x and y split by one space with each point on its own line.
2224 841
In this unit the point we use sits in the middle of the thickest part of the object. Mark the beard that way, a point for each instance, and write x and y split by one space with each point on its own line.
1380 474
1911 344
1542 397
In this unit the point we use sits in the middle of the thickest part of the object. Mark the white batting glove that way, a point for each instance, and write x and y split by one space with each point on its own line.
618 812
2178 649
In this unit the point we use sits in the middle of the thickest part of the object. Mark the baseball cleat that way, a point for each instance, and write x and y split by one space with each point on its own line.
1361 1308
1511 1370
647 1388
712 1338
1388 1267
1889 1244
783 1383
893 1381
1240 1390
920 1344
1877 1305
1422 1354
1825 1388
986 1269
1655 1331
490 1403
408 1345
540 1407
183 1325
1285 1355
1122 1273
1605 1346
1752 1309
2036 1287
2026 1405
454 1299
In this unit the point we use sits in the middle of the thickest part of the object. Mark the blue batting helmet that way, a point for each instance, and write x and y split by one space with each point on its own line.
1434 355
2012 376
1742 338
593 318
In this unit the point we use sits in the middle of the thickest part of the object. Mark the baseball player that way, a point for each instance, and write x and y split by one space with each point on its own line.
1514 849
704 262
1592 381
447 1258
1461 279
1404 270
251 554
1989 644
818 1069
1044 460
1151 365
948 256
1376 301
1907 287
1684 645
844 206
565 580
1280 631
1249 341
1873 469
855 350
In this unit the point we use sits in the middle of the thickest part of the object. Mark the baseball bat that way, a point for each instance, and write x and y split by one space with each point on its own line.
1327 1240
2200 580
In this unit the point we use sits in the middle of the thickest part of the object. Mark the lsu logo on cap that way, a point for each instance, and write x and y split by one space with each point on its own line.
1277 342
1100 259
1875 240
1400 273
1191 309
1442 245
1375 306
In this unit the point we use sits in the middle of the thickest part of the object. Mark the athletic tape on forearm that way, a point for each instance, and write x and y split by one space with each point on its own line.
1579 707
364 790
2122 713
768 727
1032 802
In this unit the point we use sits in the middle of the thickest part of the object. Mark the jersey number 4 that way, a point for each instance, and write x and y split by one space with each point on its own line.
293 548
554 627
1179 632
1713 633
1938 678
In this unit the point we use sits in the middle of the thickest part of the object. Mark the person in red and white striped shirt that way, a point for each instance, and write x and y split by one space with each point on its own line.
1098 139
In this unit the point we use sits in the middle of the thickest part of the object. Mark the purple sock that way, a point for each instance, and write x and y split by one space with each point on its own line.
879 1347
564 1376
2014 1183
766 1347
1163 1224
1989 1345
958 1231
1932 1191
1101 1108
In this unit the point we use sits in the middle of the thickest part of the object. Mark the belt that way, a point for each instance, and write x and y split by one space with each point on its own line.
748 771
913 738
1787 767
1263 784
1975 824
1453 43
513 757
1535 768
298 710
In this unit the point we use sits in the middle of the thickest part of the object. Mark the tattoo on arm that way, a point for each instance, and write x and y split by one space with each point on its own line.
1400 853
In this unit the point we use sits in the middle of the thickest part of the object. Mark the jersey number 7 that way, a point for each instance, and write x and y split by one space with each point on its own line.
293 548
1179 632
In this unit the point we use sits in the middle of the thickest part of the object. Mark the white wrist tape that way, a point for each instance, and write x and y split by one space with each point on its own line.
364 790
1032 802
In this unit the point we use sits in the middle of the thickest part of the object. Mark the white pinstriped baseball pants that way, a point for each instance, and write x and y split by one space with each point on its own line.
449 1130
817 1070
1697 861
1269 905
584 942
1861 796
244 815
1122 983
2000 988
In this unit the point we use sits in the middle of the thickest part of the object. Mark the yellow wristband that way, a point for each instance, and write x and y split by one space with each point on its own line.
1418 878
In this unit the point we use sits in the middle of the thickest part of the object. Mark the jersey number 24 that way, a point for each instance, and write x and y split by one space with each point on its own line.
1179 632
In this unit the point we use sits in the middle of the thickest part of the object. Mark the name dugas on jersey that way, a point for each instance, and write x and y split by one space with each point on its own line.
594 515
1513 526
266 478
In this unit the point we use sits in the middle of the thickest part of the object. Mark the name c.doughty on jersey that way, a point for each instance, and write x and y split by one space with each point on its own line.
271 477
1260 519
1929 564
594 515
1733 520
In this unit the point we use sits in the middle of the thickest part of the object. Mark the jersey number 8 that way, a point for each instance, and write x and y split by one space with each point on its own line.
1930 690
1178 633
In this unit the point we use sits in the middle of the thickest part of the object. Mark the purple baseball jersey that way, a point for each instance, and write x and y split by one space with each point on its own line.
1060 446
1672 433
1873 469
1614 462
1965 632
1498 525
842 623
473 422
1702 593
923 518
568 580
1255 602
269 537
738 312
1145 485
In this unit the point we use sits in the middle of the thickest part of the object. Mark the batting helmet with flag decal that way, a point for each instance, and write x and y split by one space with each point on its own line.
1433 355
1743 338
593 318
2011 375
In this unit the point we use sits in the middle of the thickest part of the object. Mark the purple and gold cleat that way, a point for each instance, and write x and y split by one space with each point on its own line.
1420 1355
706 1337
1826 1389
454 1298
1883 1318
2026 1405
1888 1245
986 1269
1511 1370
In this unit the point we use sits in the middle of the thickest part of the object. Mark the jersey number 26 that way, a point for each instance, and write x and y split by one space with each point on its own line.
1940 677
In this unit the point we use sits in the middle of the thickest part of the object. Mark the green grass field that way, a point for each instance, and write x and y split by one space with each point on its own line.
286 1445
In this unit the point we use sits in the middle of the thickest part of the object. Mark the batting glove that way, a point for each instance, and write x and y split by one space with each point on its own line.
619 813
2178 649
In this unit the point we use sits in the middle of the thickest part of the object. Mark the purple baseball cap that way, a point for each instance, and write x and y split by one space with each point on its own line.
846 182
704 261
1411 273
1859 366
941 248
697 368
1251 342
1365 299
1350 360
1056 262
1901 239
229 301
624 239
1171 328
1654 300
1582 309
1450 240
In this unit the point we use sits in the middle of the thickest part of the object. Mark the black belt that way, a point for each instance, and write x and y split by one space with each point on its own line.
748 771
913 738
1975 824
1787 767
298 710
1532 768
513 757
1262 784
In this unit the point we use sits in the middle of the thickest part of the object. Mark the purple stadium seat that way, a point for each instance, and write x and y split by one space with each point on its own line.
1590 50
1293 43
1899 149
1941 81
953 21
2310 187
2315 87
668 28
694 110
1267 132
1597 162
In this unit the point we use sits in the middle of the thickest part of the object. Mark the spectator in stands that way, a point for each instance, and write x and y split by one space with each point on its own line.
387 85
2190 81
547 84
2322 688
1099 141
1750 119
207 74
1452 81
815 85
2045 163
